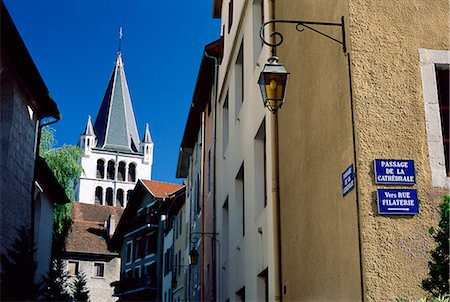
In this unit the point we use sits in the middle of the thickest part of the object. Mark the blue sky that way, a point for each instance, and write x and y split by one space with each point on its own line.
74 45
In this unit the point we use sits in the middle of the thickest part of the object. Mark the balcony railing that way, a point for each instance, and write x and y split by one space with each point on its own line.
134 285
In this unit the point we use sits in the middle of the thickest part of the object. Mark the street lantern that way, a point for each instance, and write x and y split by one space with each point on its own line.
272 82
193 256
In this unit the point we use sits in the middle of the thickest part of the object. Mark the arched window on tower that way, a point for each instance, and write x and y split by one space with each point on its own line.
132 172
99 195
109 196
111 169
121 171
100 168
119 198
129 195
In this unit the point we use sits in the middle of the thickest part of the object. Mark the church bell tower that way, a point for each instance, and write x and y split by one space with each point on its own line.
113 156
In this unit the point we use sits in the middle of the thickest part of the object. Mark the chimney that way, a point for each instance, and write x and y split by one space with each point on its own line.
110 226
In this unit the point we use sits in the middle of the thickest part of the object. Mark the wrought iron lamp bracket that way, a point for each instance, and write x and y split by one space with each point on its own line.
195 236
301 26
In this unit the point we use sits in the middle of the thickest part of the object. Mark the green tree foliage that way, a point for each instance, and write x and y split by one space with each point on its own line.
55 283
18 269
79 291
437 282
65 165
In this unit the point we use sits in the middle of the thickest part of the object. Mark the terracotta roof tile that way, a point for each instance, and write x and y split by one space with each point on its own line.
161 189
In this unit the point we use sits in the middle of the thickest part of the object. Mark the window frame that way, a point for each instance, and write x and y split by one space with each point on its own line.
129 261
429 58
77 267
94 268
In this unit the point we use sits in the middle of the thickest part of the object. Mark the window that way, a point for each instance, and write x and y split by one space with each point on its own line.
239 79
197 194
209 170
73 268
132 172
99 269
263 286
100 168
240 295
225 230
129 195
111 169
129 255
119 197
258 20
434 66
260 168
150 246
138 249
109 196
121 171
442 79
99 195
240 200
225 124
230 15
150 270
137 272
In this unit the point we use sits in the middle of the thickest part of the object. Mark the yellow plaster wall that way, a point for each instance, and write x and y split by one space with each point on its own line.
320 246
390 122
320 253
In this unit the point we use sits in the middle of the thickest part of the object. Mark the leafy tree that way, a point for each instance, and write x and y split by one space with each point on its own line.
437 282
65 165
55 283
18 269
79 291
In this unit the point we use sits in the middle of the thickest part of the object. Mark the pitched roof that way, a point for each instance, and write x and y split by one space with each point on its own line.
88 233
161 189
147 137
89 130
115 125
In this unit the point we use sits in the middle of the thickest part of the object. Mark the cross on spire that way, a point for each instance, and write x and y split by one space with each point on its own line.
120 39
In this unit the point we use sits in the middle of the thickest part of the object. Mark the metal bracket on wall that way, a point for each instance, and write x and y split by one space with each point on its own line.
301 26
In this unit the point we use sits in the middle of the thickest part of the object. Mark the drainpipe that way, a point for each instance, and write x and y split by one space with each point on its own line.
278 281
202 194
36 154
216 273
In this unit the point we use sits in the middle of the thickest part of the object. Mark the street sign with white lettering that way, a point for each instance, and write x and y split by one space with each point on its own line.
397 201
348 180
393 171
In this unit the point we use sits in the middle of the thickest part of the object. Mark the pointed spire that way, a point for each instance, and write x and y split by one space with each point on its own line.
115 125
89 131
147 138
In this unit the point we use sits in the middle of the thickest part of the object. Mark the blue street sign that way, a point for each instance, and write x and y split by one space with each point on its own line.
392 171
397 201
348 180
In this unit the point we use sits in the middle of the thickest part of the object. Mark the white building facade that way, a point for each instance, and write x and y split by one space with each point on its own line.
243 171
114 157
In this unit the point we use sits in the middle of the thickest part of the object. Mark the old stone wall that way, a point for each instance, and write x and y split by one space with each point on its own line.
17 143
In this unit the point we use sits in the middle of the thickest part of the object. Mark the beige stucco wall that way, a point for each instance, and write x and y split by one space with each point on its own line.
390 123
320 248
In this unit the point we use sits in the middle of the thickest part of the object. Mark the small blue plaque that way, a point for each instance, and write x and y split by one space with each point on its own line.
394 172
397 201
348 180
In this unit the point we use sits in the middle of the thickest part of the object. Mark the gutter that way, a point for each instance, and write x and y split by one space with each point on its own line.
215 271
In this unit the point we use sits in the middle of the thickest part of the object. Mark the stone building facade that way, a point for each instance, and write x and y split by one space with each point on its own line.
88 249
24 102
